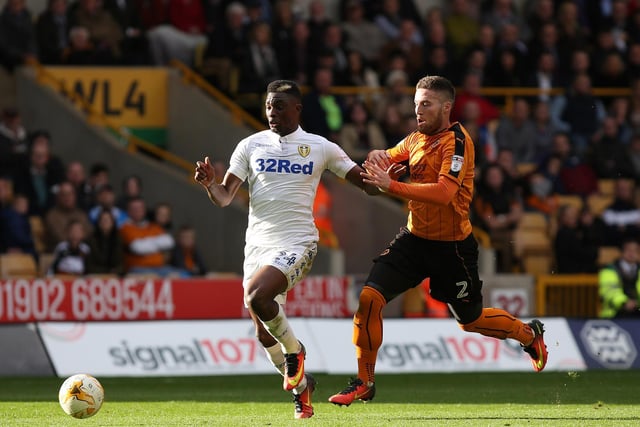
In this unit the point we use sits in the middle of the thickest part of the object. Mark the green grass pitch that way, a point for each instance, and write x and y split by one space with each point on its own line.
592 398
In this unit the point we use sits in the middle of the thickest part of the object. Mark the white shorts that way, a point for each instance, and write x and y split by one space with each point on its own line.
294 263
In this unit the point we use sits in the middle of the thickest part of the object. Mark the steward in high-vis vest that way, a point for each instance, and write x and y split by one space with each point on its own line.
619 283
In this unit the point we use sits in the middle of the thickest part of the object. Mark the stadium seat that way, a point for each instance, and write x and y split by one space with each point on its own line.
607 254
17 265
38 232
606 187
527 242
533 221
44 262
571 200
598 203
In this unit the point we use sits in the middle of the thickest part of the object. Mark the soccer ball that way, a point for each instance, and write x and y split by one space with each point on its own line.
81 396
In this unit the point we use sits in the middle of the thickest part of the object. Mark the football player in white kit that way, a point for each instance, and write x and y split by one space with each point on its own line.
282 166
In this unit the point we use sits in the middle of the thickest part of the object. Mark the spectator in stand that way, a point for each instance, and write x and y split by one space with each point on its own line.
622 216
471 92
544 77
15 228
573 249
619 283
579 112
545 41
485 143
62 213
513 178
619 110
318 22
361 34
545 130
323 112
612 72
486 43
540 195
282 36
300 60
38 174
475 63
390 17
407 43
576 176
462 28
360 134
82 51
438 63
606 150
579 63
76 175
506 70
131 189
70 255
52 32
497 210
106 201
332 44
228 39
518 132
145 242
106 255
260 65
572 34
359 73
17 35
99 175
179 37
13 139
185 255
105 33
509 39
503 13
162 215
633 59
628 162
134 46
392 124
395 94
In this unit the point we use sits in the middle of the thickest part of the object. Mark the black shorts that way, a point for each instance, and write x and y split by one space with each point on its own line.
451 266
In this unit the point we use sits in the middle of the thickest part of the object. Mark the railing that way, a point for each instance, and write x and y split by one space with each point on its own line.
568 295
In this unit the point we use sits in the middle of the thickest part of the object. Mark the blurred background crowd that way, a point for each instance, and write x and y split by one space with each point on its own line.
559 143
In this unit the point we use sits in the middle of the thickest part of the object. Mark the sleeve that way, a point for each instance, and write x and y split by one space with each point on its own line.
400 151
240 162
611 290
457 158
337 160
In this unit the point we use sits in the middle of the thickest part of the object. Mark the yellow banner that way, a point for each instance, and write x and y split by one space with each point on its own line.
130 97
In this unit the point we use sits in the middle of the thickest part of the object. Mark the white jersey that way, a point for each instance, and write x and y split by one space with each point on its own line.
283 173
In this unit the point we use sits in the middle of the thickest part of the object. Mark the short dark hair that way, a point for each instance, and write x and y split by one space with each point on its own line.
438 84
285 86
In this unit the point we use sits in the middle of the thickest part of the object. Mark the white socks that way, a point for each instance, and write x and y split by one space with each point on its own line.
279 328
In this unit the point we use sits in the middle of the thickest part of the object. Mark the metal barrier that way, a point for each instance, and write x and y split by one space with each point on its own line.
568 295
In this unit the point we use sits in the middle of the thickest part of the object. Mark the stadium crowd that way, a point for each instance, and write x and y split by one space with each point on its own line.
531 154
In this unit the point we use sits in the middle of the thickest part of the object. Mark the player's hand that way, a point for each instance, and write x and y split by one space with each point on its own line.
380 158
396 170
204 173
375 175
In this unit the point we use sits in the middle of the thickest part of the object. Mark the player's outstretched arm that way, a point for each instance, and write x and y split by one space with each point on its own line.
221 194
355 176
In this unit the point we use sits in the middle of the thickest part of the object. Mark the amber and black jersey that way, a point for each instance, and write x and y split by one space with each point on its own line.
440 165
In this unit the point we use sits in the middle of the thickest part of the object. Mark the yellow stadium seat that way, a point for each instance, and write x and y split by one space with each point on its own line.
17 265
607 254
598 203
533 221
571 200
